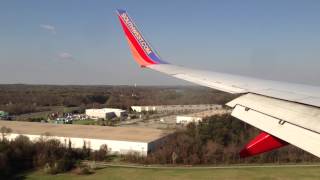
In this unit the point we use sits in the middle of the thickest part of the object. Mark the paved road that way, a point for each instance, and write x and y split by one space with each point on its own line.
102 164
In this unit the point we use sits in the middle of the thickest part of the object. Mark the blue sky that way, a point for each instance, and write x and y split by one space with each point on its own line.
81 42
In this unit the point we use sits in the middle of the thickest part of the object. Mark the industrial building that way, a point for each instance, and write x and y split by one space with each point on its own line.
120 140
105 113
187 119
199 116
143 108
162 108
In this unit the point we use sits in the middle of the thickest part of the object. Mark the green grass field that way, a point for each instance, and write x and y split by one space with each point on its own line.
120 173
85 122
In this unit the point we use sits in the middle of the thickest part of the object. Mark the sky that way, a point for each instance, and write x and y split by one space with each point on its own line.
81 41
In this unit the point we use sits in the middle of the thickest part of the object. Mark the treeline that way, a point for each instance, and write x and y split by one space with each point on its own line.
51 155
217 140
21 99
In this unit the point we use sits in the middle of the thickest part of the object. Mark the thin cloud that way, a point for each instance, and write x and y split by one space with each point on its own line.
48 27
65 56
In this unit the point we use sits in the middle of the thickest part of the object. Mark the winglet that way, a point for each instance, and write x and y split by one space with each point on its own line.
141 50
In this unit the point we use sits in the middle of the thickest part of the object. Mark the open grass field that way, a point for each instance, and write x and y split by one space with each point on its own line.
85 122
122 173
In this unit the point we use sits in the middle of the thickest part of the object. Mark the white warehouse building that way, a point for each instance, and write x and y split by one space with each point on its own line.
104 113
119 140
143 108
187 119
162 108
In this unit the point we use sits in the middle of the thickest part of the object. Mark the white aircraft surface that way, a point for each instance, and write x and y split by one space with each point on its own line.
286 113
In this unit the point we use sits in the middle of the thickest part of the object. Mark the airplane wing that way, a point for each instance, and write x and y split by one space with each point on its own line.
285 112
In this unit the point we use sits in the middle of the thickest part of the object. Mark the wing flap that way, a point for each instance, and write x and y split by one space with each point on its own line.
295 135
294 123
263 142
298 114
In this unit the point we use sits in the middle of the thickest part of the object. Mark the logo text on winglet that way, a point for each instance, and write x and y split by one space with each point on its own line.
136 33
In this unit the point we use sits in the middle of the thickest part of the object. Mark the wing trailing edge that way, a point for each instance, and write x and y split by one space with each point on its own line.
284 121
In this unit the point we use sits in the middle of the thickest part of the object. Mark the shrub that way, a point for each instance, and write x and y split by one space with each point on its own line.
101 154
83 170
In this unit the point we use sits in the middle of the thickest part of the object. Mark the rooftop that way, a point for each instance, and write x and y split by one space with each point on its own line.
107 109
85 131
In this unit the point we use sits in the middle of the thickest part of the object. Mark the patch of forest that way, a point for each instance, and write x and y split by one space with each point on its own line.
22 99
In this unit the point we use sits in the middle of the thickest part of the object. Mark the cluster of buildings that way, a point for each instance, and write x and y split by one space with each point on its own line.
104 113
201 111
119 140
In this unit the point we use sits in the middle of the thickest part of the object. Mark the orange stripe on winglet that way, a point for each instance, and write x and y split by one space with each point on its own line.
136 55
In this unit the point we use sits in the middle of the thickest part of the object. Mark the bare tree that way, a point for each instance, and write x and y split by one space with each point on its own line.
4 132
174 157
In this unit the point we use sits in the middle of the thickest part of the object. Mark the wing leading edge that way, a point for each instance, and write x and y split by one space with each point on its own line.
305 96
